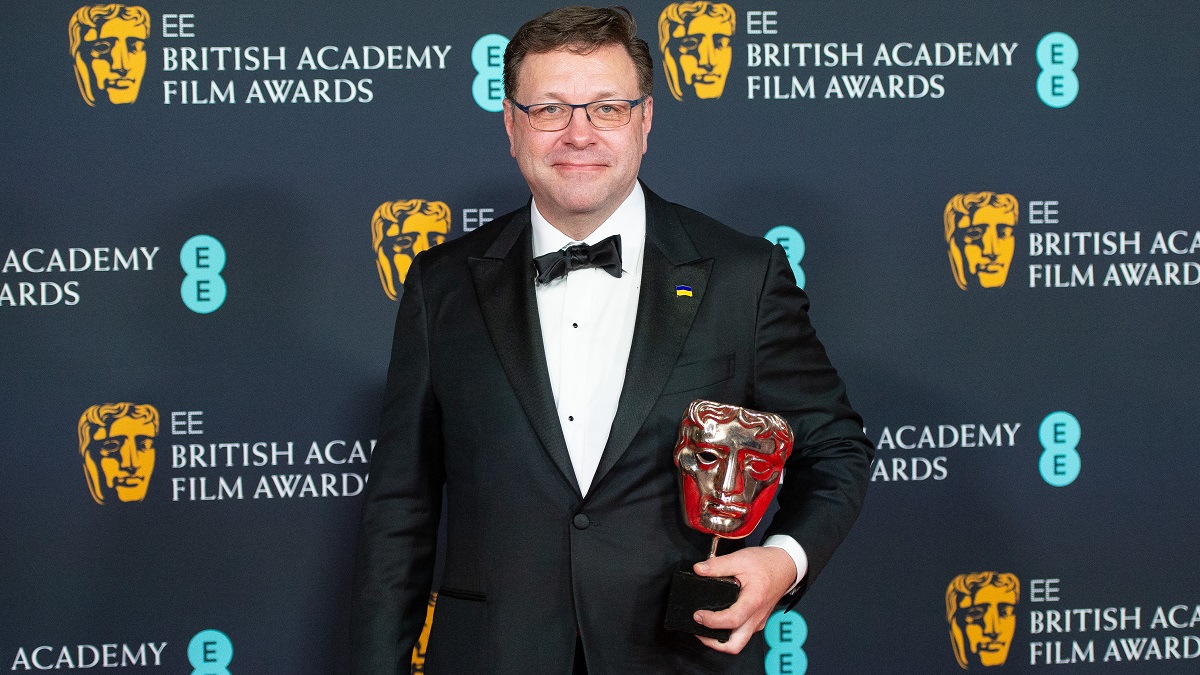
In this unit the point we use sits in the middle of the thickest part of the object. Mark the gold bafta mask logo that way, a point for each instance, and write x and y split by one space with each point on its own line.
108 44
695 39
979 231
402 229
981 608
116 441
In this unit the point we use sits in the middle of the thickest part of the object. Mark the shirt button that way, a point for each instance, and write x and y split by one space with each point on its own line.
574 325
570 418
581 521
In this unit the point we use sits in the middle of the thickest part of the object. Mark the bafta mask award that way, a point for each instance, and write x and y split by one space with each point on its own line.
730 462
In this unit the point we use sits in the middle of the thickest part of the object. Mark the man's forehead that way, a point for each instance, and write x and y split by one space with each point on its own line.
604 72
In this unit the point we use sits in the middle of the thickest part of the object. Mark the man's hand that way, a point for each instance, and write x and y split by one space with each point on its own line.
765 574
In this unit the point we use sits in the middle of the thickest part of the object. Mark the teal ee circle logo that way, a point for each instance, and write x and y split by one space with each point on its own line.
203 289
1059 435
210 652
1057 55
793 246
785 633
487 56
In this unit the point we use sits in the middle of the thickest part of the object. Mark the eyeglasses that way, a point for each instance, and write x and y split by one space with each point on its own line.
610 114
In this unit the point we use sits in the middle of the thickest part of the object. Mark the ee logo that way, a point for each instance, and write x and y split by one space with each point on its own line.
1057 54
785 634
210 652
793 246
1059 435
488 58
203 289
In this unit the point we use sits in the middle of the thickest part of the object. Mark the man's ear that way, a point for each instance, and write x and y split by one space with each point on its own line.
647 118
509 121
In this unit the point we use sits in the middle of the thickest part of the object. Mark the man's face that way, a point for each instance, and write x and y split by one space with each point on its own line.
988 621
403 241
116 56
728 478
985 245
120 460
580 173
704 53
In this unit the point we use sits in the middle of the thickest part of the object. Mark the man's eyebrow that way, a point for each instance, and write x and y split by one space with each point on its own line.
602 96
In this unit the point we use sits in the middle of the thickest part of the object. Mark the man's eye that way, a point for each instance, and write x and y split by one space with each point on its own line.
606 109
550 110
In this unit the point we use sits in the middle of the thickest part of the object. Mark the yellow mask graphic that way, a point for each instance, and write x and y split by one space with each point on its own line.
981 609
108 44
979 231
695 39
402 229
116 441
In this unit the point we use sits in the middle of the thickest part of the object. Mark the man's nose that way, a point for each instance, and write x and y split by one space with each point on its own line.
579 129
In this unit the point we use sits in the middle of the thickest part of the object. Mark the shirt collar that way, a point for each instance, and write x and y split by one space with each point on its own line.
629 221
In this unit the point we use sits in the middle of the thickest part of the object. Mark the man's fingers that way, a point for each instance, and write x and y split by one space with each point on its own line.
736 643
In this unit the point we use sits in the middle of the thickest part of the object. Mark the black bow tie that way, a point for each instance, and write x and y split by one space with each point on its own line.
605 254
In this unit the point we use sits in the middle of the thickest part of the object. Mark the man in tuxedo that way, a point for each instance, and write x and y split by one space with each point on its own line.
540 368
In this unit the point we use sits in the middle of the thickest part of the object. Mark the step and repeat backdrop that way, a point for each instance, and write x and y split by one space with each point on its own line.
208 210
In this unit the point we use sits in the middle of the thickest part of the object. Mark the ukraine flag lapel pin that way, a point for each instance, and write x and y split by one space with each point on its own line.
683 291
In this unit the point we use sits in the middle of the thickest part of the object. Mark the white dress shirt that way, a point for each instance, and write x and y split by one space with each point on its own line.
587 321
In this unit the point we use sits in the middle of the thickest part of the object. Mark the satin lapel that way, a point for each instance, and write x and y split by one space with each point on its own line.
503 280
664 318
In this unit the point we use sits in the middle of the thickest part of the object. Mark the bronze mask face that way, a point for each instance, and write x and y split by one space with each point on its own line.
730 462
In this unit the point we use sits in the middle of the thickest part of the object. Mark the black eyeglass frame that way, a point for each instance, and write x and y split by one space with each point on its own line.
633 103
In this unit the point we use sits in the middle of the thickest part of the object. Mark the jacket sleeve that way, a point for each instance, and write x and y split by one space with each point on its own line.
397 537
827 474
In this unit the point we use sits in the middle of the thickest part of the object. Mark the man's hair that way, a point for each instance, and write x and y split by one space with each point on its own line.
580 30
681 14
394 212
102 416
968 204
765 425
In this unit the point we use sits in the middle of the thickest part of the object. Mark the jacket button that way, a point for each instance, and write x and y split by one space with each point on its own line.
581 521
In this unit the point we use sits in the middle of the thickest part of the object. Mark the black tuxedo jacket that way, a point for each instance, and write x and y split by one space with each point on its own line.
530 563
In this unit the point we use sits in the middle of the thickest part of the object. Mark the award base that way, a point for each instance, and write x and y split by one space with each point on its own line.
691 592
